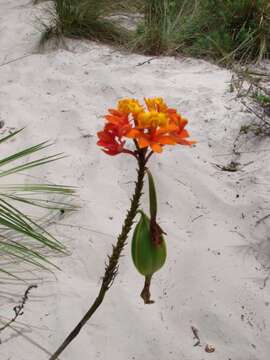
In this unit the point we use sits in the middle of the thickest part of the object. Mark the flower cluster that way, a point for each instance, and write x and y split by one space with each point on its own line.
152 126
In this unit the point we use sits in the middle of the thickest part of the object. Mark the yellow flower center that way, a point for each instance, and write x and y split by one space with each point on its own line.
152 119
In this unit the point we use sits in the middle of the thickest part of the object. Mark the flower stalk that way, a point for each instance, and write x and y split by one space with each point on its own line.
151 128
145 294
111 269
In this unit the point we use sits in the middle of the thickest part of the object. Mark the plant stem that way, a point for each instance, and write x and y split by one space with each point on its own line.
111 269
145 294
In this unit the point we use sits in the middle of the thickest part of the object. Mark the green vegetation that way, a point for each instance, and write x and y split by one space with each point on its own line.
261 98
256 129
223 30
85 19
23 239
152 32
161 30
228 30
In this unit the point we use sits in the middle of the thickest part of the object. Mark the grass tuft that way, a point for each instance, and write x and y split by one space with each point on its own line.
227 30
157 33
224 30
88 19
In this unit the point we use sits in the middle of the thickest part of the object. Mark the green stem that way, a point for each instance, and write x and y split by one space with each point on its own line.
112 265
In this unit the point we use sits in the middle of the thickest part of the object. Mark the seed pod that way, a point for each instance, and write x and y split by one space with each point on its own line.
148 257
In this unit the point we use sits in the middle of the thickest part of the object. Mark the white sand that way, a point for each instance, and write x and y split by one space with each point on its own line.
216 275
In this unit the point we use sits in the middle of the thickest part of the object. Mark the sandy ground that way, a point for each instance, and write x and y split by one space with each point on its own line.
216 276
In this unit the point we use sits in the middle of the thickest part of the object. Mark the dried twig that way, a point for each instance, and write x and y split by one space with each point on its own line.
265 282
267 123
146 62
19 309
16 59
262 219
195 332
231 167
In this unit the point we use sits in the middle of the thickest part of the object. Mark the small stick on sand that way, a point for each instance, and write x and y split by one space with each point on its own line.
18 309
195 332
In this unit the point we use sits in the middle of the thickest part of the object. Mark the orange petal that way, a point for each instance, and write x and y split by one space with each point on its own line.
156 148
186 142
165 140
167 129
115 112
112 119
143 142
182 123
183 134
133 133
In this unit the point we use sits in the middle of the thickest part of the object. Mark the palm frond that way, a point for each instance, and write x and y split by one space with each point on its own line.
22 238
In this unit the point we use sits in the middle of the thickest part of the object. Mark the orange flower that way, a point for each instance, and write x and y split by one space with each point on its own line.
110 140
130 106
120 120
159 126
155 139
154 127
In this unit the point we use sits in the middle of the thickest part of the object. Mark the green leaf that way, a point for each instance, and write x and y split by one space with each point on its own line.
43 188
10 135
32 164
20 233
42 203
152 196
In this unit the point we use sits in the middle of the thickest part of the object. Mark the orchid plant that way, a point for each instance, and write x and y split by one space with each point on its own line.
139 131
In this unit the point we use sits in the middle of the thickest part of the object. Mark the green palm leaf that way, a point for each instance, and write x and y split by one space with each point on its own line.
22 238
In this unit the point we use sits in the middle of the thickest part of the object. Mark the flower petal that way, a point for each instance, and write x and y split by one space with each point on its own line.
156 147
133 133
165 140
143 142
